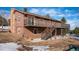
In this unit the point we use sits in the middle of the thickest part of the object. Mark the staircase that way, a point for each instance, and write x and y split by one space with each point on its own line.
47 33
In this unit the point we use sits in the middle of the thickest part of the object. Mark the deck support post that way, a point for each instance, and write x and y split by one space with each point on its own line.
61 31
55 32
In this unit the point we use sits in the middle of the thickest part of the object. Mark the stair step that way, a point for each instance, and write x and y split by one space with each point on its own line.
47 33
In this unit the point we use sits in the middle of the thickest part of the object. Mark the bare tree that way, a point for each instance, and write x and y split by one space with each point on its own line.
0 20
2 14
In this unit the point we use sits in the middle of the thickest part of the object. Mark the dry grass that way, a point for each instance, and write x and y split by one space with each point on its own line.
72 41
8 37
55 45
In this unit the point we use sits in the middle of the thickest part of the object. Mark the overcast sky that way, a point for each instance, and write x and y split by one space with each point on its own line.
70 13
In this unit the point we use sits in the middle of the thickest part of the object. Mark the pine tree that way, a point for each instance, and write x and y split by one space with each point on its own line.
48 15
25 9
63 20
76 31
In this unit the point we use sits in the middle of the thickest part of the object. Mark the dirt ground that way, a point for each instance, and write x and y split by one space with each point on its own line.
55 45
8 37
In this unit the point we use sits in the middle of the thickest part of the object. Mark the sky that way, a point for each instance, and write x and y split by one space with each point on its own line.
71 14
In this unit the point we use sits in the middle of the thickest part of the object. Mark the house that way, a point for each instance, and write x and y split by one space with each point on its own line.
32 26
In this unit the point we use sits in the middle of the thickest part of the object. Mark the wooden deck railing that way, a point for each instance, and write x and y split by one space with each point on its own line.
43 23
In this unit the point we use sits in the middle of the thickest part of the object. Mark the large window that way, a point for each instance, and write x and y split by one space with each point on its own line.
30 20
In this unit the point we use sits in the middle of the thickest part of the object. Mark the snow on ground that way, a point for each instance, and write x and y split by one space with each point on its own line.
74 36
52 38
40 48
13 47
9 46
37 40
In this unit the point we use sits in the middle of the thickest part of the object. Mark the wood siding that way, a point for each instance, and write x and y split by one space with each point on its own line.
40 22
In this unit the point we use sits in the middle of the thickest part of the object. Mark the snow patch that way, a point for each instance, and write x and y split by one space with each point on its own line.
9 46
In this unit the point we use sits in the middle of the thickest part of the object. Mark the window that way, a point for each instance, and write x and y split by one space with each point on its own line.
31 20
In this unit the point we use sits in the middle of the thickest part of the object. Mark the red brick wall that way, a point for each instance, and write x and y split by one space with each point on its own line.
17 23
12 22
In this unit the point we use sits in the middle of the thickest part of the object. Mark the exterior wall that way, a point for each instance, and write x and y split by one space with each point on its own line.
17 23
12 22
